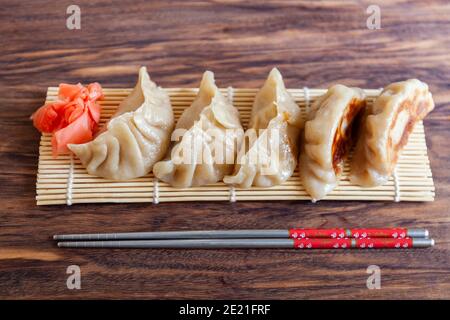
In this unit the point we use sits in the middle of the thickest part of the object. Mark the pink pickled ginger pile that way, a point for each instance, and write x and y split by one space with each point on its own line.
73 118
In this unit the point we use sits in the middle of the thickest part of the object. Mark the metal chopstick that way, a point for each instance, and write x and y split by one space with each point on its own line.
256 243
268 233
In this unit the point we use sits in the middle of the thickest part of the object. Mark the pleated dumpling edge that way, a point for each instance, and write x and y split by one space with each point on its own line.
270 156
387 125
211 122
136 137
327 138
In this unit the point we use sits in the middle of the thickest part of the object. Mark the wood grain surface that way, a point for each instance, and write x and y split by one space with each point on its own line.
313 43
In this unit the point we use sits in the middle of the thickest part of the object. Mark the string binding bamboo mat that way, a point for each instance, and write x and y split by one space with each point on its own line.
65 181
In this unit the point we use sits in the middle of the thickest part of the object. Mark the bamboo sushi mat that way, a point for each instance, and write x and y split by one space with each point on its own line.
65 181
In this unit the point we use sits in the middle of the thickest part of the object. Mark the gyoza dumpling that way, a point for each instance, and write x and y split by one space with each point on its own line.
270 156
210 132
135 138
327 138
386 127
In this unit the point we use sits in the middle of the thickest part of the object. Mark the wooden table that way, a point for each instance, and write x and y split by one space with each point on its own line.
315 44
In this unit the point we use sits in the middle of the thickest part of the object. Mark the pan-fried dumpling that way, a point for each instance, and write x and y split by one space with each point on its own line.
270 156
327 138
209 134
386 127
135 138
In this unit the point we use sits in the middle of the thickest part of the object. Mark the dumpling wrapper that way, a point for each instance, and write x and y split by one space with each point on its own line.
136 137
327 138
270 156
386 127
210 123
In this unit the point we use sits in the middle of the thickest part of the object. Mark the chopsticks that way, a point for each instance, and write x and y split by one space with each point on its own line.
336 238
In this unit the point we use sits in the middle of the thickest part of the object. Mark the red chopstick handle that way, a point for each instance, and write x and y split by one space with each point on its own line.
376 243
340 233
